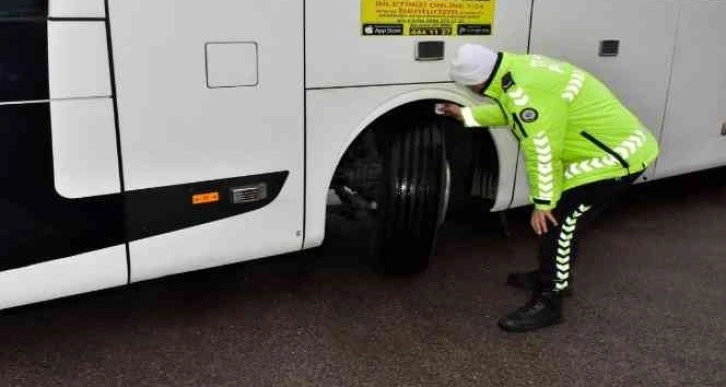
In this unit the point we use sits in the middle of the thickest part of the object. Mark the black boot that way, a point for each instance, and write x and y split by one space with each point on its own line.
529 280
544 309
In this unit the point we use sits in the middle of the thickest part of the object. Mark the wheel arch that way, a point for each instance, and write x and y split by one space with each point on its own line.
505 147
397 103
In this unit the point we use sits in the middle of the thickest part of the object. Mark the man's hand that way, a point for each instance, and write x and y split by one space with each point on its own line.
540 219
450 110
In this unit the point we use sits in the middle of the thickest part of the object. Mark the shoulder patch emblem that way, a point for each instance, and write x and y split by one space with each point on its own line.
507 82
529 115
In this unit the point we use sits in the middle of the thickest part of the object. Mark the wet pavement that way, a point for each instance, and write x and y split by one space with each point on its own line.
649 310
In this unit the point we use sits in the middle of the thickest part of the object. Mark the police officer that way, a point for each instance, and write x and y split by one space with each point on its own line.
582 148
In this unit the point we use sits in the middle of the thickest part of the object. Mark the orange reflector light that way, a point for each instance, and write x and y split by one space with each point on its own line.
205 198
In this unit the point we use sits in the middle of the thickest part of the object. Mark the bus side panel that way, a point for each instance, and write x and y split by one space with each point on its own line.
210 102
85 153
52 245
339 55
692 137
39 225
83 273
77 8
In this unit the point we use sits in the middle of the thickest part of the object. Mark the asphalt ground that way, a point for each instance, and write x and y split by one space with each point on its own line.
649 310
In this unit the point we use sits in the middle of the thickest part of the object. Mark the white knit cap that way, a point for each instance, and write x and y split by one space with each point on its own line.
472 65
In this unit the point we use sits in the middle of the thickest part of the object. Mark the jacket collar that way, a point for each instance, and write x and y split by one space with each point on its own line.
493 87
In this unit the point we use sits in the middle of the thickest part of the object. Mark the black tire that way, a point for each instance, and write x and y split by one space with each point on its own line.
411 199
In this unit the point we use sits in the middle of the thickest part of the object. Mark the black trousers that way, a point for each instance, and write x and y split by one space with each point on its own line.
577 208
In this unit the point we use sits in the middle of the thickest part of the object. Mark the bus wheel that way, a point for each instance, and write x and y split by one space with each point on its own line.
412 197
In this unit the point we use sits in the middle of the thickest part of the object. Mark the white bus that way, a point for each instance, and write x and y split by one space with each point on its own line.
144 138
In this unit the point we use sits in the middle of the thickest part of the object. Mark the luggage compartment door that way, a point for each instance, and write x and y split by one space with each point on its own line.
210 101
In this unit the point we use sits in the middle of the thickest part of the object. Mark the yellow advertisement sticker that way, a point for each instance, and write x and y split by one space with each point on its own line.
427 17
